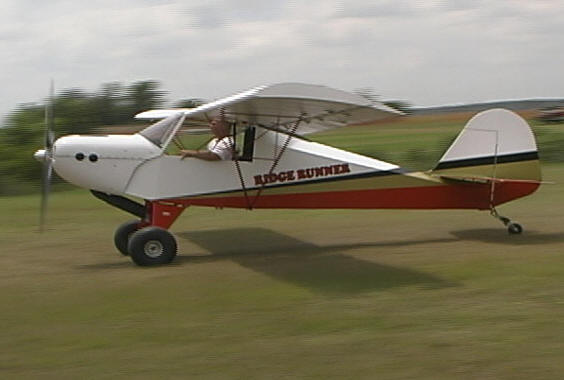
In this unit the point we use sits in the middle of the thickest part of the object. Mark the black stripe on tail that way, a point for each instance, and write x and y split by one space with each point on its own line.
488 160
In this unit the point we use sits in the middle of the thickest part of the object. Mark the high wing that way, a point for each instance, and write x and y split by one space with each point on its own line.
281 106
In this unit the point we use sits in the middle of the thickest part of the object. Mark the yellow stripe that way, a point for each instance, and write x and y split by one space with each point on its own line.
523 170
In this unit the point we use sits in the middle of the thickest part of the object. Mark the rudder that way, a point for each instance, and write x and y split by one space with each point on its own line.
496 143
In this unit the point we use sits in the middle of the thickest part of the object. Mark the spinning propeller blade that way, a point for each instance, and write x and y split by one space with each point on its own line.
47 158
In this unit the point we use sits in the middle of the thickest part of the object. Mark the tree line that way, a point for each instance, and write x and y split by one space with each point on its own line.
76 111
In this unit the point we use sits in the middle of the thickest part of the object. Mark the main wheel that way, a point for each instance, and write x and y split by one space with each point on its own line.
514 228
152 246
122 235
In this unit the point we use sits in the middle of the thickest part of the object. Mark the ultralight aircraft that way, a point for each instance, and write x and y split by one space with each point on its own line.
492 161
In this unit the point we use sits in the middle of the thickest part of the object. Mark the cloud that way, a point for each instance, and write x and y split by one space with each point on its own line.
426 52
378 9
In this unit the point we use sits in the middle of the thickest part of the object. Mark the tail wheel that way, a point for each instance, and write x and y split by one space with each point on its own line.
122 235
514 228
152 246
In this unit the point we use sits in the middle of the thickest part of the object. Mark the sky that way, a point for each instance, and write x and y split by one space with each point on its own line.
426 52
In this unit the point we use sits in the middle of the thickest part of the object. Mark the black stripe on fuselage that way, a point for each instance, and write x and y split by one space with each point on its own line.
488 160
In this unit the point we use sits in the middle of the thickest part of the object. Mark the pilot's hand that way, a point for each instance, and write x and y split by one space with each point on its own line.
186 153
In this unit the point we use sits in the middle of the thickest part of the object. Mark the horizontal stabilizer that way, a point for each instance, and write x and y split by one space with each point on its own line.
478 179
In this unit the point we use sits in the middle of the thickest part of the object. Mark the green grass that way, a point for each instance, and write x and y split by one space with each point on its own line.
288 294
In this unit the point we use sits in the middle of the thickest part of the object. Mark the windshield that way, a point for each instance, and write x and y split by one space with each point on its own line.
159 132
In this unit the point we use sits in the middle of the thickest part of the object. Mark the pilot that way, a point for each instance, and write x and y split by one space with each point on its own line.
220 148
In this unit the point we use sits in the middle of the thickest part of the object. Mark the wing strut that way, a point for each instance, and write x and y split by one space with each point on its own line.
289 135
238 166
251 203
277 159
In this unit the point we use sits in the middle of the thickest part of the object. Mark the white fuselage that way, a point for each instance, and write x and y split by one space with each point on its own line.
132 165
103 163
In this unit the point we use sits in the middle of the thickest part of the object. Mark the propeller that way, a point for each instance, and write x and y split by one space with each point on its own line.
45 156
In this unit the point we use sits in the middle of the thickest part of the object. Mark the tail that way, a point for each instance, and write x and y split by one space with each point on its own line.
496 144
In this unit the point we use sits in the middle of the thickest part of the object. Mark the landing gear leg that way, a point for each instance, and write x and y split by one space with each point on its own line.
146 240
513 228
153 244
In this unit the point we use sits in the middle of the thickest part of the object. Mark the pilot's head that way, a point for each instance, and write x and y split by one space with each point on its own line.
219 127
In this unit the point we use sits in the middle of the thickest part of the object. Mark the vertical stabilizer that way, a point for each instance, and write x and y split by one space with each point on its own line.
496 143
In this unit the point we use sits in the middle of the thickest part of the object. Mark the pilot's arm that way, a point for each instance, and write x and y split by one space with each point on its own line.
217 150
201 154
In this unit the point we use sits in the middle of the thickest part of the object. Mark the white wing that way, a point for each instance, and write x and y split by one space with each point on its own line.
281 105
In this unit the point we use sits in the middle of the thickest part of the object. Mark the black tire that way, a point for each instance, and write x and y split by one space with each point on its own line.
152 246
514 228
122 235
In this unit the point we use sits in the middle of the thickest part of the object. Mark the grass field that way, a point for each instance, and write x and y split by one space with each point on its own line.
290 294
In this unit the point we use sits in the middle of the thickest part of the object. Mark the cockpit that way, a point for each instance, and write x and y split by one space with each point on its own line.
174 133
